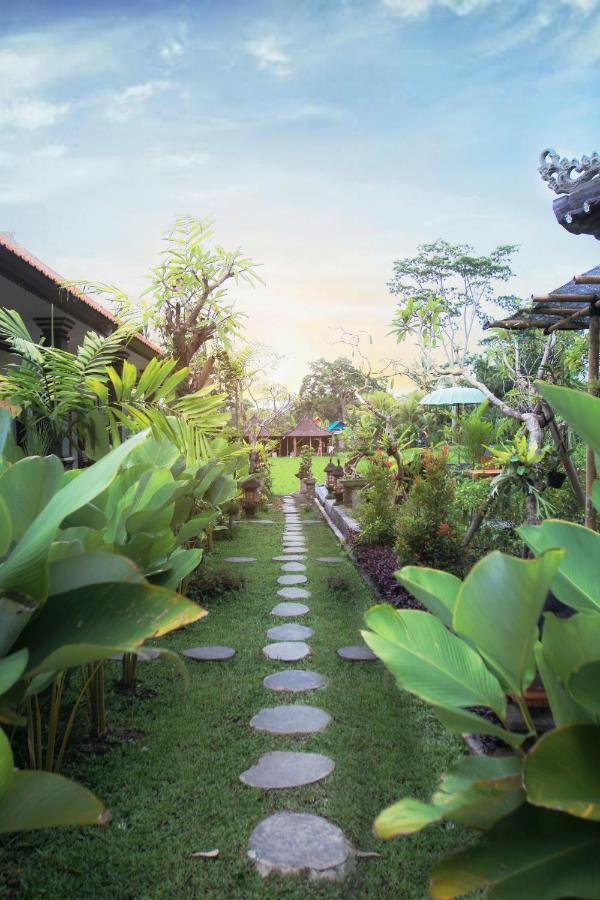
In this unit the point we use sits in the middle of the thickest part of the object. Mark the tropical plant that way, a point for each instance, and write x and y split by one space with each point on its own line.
476 432
377 512
520 462
539 807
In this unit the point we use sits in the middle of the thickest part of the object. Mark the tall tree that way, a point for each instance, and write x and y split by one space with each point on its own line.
330 387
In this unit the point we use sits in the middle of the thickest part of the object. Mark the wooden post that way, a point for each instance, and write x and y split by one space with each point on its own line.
590 461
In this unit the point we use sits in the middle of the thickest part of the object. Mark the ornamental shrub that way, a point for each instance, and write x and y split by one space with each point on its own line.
378 513
429 531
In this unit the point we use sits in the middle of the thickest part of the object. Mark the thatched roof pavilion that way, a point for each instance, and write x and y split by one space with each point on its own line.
306 432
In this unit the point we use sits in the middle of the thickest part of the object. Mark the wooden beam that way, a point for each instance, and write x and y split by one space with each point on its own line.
564 322
586 279
567 298
559 310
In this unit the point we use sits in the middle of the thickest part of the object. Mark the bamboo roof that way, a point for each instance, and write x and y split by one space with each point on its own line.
307 427
566 308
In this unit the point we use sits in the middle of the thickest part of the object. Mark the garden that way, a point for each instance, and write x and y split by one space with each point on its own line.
338 643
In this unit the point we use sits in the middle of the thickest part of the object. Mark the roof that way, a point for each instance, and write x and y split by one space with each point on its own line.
551 312
338 425
71 294
453 396
307 427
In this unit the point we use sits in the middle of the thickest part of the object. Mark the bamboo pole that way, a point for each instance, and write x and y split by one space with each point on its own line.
586 279
568 298
590 460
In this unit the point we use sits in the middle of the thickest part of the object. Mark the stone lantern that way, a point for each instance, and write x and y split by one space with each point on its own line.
251 488
330 478
338 488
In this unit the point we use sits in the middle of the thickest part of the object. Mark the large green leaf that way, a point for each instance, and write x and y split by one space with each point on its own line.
577 582
11 669
498 607
563 706
532 854
91 568
181 563
27 487
98 620
430 661
14 616
436 590
461 721
570 643
584 685
43 800
562 772
25 569
580 410
6 764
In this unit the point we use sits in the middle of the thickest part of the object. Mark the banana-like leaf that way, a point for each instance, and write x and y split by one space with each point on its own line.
462 721
436 590
580 410
584 686
11 669
578 578
570 643
430 661
563 706
44 800
561 771
96 621
27 487
14 616
194 528
532 853
6 764
181 563
497 610
25 568
91 568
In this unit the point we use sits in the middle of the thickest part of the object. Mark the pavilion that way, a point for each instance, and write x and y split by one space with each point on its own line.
306 433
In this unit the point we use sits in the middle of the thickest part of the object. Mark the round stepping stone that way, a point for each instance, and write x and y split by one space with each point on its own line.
293 539
290 609
292 579
330 559
291 632
289 558
293 567
240 559
359 653
291 719
255 522
144 654
294 680
293 549
293 545
293 593
291 843
284 769
209 653
287 651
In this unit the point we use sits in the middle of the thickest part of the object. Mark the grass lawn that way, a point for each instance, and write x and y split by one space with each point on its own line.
284 468
176 789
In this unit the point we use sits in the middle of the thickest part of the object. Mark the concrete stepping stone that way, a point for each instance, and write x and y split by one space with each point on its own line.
291 557
359 653
331 559
293 593
254 522
292 579
144 654
293 549
293 538
240 559
289 632
291 719
293 544
290 609
293 567
291 843
285 769
294 680
287 651
214 653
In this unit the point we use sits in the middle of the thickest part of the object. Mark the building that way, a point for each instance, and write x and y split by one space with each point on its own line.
306 433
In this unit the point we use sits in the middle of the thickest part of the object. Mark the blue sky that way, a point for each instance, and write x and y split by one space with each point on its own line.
325 138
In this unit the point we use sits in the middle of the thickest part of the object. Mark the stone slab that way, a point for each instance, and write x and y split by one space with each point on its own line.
209 653
331 559
290 609
291 719
287 580
254 522
287 651
284 769
293 567
293 593
289 632
291 843
144 654
294 680
292 549
291 557
359 653
240 559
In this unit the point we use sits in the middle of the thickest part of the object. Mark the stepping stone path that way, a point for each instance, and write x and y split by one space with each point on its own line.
360 653
291 720
240 559
292 843
293 593
287 651
215 653
290 609
291 632
281 769
294 680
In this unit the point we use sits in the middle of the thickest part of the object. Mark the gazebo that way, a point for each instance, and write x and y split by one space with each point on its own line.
306 433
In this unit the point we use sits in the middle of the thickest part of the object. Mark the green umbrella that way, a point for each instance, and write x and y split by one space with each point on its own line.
453 396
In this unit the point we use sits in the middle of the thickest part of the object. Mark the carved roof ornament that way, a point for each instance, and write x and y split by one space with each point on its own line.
563 176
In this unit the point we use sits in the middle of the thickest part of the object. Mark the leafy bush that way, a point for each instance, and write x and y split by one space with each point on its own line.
209 582
476 434
377 513
380 565
428 521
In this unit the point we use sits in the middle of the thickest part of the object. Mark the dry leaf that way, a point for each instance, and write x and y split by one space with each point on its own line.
204 854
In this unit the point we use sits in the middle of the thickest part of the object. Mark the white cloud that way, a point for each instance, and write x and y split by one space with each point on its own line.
412 9
121 106
268 53
28 114
179 161
172 50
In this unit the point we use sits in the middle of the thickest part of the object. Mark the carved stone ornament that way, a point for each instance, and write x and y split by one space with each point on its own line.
565 175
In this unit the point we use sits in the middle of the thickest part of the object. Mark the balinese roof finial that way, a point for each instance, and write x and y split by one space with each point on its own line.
565 175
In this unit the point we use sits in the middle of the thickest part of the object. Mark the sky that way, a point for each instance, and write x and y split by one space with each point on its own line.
326 138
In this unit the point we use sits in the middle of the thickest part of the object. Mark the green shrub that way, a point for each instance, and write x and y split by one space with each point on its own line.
429 532
210 582
477 433
378 513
